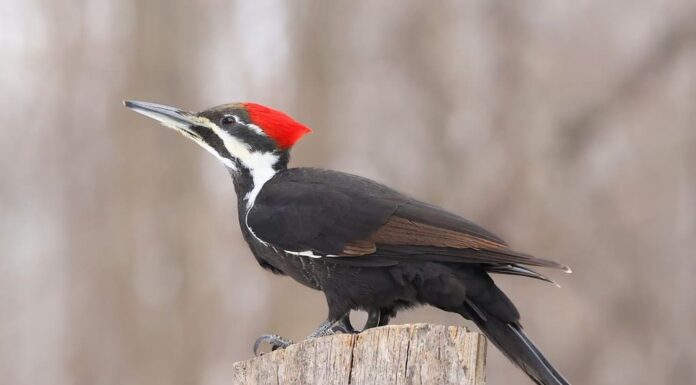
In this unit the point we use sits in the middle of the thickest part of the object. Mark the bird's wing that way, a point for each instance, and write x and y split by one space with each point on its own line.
420 230
341 215
305 209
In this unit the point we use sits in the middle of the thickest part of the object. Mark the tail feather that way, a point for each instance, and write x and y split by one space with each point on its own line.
511 340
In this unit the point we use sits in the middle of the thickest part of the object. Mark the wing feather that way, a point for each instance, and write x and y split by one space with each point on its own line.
345 216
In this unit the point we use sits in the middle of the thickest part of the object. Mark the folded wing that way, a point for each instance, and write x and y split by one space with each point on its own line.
344 216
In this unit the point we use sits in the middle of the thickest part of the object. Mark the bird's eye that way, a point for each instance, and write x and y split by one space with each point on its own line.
228 120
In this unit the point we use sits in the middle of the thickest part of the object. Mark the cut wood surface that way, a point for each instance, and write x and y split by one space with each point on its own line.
419 354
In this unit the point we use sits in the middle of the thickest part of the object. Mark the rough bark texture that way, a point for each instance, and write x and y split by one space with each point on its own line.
406 354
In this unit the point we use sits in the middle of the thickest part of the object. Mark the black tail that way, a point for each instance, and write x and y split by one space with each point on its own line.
511 340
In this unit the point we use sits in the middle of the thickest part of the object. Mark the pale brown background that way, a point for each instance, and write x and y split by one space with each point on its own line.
567 127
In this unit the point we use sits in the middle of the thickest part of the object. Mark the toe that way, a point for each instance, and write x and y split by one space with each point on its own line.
276 342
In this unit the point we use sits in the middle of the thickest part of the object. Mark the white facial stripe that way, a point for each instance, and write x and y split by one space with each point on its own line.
227 162
256 129
184 130
260 164
251 126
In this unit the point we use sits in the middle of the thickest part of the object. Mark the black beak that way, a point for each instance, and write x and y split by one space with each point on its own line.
171 117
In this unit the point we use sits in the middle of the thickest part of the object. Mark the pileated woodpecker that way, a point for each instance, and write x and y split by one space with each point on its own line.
363 244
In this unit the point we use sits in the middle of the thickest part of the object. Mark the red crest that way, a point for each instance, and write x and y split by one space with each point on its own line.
285 130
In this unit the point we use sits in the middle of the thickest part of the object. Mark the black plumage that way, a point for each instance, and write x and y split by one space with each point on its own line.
364 245
323 212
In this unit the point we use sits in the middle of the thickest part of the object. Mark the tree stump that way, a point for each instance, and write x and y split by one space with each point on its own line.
419 354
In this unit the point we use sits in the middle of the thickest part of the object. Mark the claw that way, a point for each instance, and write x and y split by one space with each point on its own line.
276 342
343 326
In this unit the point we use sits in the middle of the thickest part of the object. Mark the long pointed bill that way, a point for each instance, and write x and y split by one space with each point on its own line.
180 120
196 128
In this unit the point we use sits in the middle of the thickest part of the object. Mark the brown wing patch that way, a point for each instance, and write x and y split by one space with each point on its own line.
401 231
359 248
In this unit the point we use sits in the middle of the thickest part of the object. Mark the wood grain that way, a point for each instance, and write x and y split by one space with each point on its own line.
418 354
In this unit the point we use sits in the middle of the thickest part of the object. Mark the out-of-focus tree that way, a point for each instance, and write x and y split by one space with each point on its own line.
568 128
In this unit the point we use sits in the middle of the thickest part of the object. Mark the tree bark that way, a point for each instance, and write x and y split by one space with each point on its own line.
418 354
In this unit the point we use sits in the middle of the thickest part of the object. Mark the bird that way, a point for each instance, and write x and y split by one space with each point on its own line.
364 245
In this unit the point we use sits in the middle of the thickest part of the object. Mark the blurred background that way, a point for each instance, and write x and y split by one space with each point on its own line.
569 128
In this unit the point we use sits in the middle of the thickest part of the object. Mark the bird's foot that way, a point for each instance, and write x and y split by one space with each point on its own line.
276 342
343 326
326 328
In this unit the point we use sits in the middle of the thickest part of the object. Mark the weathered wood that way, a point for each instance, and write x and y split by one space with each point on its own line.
419 354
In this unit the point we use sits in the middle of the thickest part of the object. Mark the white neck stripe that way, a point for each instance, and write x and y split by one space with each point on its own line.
260 164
